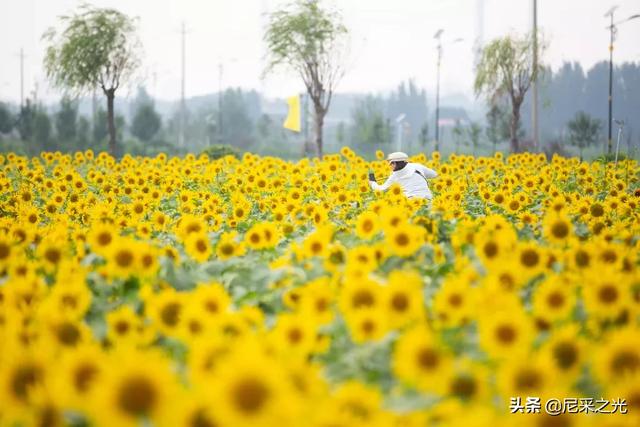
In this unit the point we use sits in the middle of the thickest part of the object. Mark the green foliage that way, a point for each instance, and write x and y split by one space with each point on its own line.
583 131
369 124
82 133
218 150
100 130
309 41
458 135
25 121
474 132
146 122
98 47
237 126
6 119
66 121
506 68
610 158
497 129
42 131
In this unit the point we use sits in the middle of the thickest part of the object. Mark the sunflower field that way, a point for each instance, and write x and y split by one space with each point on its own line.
260 292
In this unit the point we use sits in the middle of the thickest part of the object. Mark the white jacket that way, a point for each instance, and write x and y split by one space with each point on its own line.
412 178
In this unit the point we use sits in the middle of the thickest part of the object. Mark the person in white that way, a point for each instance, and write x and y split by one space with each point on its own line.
412 177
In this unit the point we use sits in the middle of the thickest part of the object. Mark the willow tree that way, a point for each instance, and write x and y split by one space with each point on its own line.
98 48
311 42
506 68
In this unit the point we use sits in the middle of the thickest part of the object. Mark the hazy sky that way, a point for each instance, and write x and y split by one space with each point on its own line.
391 40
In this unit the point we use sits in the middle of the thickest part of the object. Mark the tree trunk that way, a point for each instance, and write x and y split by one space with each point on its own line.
111 121
319 123
515 120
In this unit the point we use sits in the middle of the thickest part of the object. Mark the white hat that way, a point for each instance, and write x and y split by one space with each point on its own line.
398 156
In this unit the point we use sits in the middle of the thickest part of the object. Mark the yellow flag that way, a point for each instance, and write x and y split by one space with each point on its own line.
292 121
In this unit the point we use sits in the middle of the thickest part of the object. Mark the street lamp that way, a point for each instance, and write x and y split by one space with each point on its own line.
438 36
612 35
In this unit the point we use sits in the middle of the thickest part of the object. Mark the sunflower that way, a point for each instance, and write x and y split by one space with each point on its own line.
228 247
628 389
317 243
606 294
316 301
404 302
212 297
508 333
250 392
554 299
528 376
135 386
453 303
530 257
361 260
566 351
618 356
164 309
367 325
468 381
52 253
357 404
404 240
558 229
79 375
360 293
198 246
367 225
125 327
21 378
421 361
293 335
122 258
254 237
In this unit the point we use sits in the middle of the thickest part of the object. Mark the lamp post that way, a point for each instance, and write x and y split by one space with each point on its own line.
438 36
612 36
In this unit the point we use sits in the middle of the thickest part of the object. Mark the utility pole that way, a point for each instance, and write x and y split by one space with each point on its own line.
21 78
613 29
437 126
182 101
611 38
220 129
534 109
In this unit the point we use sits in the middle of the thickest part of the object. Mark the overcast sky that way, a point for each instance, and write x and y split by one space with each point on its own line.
391 40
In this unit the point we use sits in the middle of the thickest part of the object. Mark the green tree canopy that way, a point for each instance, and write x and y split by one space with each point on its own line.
310 41
369 124
97 48
583 131
66 120
146 122
42 131
506 68
6 119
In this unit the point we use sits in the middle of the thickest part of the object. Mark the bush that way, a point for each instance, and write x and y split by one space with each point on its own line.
610 158
220 150
555 147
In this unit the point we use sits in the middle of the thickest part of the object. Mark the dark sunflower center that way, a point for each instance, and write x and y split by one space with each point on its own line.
250 395
137 396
